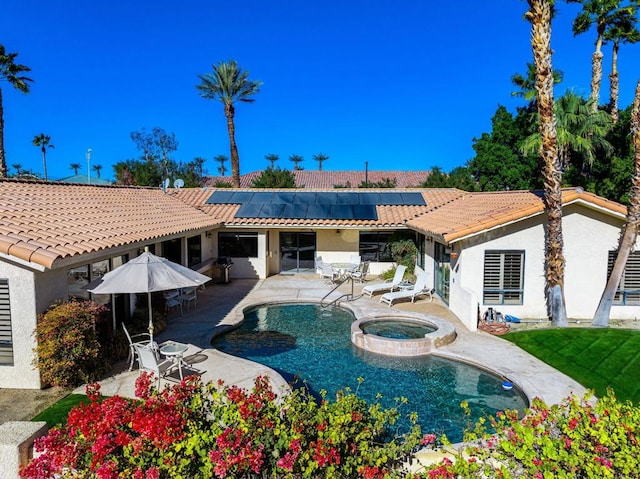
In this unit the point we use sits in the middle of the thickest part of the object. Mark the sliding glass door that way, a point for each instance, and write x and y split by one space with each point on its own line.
297 252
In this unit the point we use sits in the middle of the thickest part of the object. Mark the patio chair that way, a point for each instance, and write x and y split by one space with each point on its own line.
361 273
328 273
148 361
418 289
142 339
172 299
388 285
188 296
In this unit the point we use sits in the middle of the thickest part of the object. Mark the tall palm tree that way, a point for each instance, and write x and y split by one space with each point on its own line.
97 169
13 73
43 141
296 159
629 232
222 159
603 14
228 83
579 130
320 158
623 30
272 158
539 14
75 167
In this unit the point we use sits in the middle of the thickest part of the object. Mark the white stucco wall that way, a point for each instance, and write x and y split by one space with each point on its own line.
21 375
588 237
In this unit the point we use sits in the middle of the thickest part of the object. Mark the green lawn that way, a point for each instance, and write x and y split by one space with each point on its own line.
596 358
57 413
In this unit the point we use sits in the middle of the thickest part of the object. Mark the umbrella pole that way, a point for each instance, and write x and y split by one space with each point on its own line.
150 319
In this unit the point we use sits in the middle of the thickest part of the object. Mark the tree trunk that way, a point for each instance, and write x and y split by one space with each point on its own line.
596 75
235 159
630 229
540 17
3 160
44 162
615 85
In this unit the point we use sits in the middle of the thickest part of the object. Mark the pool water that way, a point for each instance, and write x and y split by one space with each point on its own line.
397 329
307 342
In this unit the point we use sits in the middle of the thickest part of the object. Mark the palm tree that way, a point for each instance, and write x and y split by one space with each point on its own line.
222 159
44 142
320 158
603 14
229 83
18 168
12 72
527 84
296 159
97 169
75 167
579 130
271 157
539 14
622 31
629 232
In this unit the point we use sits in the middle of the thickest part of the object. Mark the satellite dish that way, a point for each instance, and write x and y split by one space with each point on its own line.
179 183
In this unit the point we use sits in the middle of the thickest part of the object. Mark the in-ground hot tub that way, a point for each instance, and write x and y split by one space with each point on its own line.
401 335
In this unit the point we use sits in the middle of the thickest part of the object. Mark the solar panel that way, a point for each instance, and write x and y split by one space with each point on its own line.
249 210
319 211
272 210
313 205
294 211
365 212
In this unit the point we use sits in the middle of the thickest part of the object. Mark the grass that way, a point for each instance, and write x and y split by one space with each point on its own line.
596 358
58 412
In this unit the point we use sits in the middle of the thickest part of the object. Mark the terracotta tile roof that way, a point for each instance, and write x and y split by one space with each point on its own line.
388 216
330 179
42 222
476 212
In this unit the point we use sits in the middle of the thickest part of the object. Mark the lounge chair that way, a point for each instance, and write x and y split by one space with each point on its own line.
418 289
142 339
149 362
388 285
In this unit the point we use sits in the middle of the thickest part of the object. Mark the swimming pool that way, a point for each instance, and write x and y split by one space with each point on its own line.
305 341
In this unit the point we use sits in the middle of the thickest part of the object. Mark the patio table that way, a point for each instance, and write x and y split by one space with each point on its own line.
175 351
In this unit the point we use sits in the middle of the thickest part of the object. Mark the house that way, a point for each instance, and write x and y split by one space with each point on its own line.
335 178
480 250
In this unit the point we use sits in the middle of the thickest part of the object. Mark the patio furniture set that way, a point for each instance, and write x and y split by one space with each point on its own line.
159 359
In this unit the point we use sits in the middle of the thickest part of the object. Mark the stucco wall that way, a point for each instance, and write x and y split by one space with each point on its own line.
21 375
588 237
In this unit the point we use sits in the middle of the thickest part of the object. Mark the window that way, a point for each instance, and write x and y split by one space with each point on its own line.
376 245
6 338
194 250
238 245
503 277
628 292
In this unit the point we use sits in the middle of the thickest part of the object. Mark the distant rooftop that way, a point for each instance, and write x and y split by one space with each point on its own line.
94 180
332 179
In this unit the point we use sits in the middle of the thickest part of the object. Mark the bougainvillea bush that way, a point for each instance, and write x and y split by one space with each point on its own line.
195 430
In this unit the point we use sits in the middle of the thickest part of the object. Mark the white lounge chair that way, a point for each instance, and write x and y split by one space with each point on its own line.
418 289
388 285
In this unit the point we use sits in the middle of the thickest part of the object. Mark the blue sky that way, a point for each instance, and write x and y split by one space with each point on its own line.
403 86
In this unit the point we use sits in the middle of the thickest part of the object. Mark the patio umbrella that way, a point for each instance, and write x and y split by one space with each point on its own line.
146 274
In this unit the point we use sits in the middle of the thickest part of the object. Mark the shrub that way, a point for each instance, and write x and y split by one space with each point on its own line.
68 351
217 431
405 252
578 438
